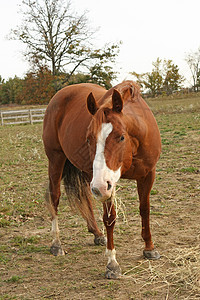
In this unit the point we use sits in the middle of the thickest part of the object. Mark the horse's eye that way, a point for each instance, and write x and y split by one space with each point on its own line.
88 141
122 138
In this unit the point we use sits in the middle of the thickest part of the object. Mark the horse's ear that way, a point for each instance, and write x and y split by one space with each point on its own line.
91 104
117 101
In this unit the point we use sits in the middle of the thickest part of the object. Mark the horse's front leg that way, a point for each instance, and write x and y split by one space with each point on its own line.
113 270
144 186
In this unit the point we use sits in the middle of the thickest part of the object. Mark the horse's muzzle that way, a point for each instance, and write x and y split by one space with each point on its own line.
96 192
102 192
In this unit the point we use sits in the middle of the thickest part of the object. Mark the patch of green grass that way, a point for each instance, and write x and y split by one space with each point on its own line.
189 170
111 285
169 169
14 279
154 192
23 170
22 241
4 258
6 296
179 133
28 245
166 141
4 222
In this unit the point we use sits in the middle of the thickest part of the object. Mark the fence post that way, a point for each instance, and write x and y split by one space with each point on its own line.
1 118
30 114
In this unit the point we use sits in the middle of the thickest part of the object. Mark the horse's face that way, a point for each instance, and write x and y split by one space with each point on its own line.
109 146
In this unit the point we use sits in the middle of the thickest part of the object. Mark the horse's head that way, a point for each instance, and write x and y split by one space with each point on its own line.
109 144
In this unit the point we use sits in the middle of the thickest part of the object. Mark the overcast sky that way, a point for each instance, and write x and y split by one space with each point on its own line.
148 29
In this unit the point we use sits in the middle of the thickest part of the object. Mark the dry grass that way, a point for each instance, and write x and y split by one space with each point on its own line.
180 272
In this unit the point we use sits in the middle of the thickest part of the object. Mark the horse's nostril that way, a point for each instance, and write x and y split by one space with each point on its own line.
96 192
109 185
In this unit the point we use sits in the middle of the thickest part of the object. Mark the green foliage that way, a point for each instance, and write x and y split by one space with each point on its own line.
10 90
39 87
1 80
35 88
163 79
172 80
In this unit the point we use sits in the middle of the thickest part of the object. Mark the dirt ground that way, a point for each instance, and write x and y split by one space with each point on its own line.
29 271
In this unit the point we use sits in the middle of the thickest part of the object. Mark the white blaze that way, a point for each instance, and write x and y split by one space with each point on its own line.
101 173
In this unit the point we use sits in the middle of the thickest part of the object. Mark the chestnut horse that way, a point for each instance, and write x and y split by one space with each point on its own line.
92 137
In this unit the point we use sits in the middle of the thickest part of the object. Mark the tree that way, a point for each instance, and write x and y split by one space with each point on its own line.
198 79
151 81
9 90
172 79
37 87
193 61
1 80
58 38
97 74
164 78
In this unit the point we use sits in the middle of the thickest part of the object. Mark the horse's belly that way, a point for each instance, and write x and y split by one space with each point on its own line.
74 145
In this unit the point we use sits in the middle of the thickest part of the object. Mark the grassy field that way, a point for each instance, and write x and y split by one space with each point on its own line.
28 271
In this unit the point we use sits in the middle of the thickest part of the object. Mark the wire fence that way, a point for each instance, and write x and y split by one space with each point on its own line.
24 116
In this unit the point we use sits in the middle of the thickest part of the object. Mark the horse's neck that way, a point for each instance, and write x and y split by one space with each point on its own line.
134 126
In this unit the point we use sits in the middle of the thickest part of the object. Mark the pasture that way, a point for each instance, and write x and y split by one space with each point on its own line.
29 271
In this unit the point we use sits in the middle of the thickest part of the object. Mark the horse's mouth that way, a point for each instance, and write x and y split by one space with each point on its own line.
99 197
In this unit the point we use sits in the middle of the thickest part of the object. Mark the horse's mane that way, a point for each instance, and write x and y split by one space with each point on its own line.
128 89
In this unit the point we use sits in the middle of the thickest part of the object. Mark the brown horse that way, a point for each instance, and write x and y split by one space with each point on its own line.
92 137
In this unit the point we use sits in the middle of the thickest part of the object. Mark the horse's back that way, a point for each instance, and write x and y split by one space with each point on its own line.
66 120
72 94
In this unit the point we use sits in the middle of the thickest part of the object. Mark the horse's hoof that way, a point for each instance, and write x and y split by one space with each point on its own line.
113 271
100 240
57 250
151 254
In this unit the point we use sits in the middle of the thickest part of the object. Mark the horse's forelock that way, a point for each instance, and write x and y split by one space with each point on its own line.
97 121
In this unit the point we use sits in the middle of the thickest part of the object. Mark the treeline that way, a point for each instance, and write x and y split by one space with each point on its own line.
35 88
39 87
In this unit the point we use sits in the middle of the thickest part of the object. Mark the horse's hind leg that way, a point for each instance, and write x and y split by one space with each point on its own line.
144 186
99 238
56 164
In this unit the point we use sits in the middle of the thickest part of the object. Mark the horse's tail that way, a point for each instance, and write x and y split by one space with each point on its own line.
78 190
